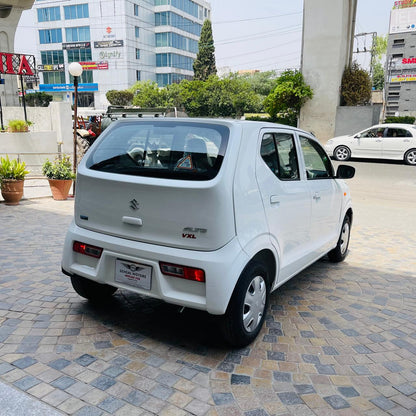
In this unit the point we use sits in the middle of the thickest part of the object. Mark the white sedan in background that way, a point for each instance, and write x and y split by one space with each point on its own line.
383 141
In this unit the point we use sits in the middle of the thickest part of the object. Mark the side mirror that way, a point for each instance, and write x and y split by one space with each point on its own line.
357 136
345 172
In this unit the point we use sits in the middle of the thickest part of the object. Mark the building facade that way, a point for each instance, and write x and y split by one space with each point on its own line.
400 74
118 42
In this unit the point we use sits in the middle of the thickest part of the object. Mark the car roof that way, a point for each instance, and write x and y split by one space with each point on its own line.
394 125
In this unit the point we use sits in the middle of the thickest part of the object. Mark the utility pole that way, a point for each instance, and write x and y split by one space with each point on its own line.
371 50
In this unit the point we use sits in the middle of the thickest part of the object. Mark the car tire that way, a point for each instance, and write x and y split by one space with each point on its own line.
410 157
93 291
247 309
342 153
339 253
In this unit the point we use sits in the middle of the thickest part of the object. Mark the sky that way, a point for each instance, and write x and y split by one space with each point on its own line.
262 34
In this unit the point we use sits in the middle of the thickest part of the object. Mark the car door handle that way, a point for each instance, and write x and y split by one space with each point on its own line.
132 221
274 200
378 140
316 197
406 140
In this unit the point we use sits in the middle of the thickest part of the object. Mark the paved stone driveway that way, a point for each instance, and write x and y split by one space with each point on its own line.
339 339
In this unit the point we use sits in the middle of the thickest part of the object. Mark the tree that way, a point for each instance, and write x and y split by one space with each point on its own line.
261 82
148 94
355 86
290 93
38 99
378 76
204 64
115 97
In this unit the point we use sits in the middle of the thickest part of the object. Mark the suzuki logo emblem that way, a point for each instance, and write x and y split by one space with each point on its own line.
134 204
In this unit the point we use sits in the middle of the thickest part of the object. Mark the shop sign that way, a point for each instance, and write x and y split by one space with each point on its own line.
407 61
76 45
403 4
16 64
67 87
403 78
88 66
109 44
110 55
52 67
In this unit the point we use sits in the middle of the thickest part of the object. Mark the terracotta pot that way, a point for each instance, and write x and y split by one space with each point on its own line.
60 188
12 190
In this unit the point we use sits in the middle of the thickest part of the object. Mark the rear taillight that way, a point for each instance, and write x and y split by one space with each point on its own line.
87 249
183 272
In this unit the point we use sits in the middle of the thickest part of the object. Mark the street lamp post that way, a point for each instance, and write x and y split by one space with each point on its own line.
75 69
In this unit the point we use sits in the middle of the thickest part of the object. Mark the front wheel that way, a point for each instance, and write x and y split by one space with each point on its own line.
339 253
410 157
342 153
93 291
248 305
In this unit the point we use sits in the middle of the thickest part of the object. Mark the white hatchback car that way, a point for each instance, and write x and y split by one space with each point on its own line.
383 141
205 214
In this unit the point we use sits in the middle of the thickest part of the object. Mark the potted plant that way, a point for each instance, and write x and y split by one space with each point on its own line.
18 126
12 177
60 176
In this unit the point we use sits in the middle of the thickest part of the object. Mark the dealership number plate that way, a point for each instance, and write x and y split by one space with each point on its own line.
133 274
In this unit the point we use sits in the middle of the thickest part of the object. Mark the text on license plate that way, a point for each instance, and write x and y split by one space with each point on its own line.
133 274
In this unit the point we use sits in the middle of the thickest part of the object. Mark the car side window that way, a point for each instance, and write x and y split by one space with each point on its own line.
279 153
398 133
317 163
377 132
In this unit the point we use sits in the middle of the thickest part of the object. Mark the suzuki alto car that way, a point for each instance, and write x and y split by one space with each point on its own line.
206 214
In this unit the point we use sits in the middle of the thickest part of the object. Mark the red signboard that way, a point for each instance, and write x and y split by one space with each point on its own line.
94 65
16 64
409 61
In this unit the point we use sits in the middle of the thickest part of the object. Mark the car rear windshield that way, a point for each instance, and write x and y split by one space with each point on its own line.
163 149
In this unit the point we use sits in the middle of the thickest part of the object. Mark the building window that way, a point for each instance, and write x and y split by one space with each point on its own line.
173 19
136 31
78 11
85 78
77 34
53 77
174 60
176 41
49 14
136 9
397 43
79 55
52 57
50 36
138 75
137 53
167 79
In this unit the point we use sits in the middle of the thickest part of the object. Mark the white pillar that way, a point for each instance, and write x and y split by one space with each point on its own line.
328 35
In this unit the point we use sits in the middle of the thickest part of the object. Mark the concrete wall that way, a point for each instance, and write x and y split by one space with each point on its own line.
353 119
328 30
57 118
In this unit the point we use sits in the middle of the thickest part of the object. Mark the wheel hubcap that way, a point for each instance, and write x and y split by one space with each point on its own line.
345 236
254 304
342 153
411 158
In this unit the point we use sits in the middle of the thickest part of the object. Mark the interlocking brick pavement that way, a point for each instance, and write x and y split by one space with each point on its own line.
338 340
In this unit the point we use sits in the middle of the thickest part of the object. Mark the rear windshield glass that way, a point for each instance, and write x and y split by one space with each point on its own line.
164 149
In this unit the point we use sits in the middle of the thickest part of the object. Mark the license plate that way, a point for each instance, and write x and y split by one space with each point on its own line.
133 274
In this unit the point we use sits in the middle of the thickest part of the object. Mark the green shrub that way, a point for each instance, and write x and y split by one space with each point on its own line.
12 169
61 168
402 119
288 120
119 97
355 86
38 99
18 125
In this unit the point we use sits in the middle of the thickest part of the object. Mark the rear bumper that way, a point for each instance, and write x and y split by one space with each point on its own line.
222 268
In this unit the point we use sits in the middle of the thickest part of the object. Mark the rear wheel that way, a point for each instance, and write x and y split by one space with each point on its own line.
248 305
93 291
410 157
342 153
341 250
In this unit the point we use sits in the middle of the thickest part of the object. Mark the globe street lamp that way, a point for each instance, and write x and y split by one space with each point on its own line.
75 69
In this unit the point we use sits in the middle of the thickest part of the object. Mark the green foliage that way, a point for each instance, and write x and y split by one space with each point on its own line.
290 93
148 94
115 97
262 83
401 119
289 120
378 76
12 169
16 126
380 47
204 64
38 99
61 168
355 86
